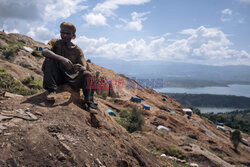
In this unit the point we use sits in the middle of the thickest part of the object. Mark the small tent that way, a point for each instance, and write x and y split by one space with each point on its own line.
163 128
146 107
187 111
112 113
136 99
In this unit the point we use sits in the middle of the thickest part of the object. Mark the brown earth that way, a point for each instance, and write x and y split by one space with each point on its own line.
34 132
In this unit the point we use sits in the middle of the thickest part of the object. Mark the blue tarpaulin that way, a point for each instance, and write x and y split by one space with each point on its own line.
146 107
110 112
136 99
40 48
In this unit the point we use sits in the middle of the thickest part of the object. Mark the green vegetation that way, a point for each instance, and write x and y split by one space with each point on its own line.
176 164
235 119
37 54
2 47
15 43
173 151
33 82
193 136
8 83
208 100
216 151
155 149
9 51
235 138
104 96
112 100
131 121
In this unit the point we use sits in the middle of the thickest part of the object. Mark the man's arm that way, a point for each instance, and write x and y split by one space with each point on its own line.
49 54
81 62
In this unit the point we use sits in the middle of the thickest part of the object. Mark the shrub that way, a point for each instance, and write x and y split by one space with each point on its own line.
197 111
173 151
33 82
124 114
193 136
8 83
16 43
104 96
36 54
131 121
136 120
112 100
9 54
235 138
2 47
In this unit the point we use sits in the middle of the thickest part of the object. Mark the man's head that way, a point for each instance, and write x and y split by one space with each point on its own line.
68 31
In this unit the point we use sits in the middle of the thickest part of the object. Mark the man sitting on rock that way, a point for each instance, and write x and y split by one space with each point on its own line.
65 63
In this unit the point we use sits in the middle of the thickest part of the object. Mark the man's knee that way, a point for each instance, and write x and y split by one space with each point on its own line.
87 74
49 64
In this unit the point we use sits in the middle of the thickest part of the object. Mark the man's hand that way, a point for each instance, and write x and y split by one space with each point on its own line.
67 63
79 67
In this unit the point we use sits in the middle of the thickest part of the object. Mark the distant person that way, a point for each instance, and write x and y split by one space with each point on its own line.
65 63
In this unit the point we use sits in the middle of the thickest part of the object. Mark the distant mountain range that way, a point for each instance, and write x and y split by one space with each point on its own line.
173 71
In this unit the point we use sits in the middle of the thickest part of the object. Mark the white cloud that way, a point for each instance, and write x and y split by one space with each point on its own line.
227 12
245 1
41 33
12 31
109 6
202 45
135 23
62 8
226 15
241 20
223 19
28 17
166 34
95 19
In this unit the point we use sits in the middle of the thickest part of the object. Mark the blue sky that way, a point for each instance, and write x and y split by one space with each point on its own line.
212 32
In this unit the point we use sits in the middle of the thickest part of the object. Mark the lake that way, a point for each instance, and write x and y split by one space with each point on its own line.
235 89
216 110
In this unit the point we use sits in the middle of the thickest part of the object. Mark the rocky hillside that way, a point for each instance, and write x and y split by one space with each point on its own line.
34 132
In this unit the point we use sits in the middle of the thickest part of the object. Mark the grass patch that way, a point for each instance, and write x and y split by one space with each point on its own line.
2 47
217 152
33 82
15 43
112 100
37 54
175 152
104 96
132 121
9 53
154 148
9 84
176 164
124 114
193 136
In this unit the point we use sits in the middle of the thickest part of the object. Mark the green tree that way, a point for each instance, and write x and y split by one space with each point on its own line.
136 120
235 138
